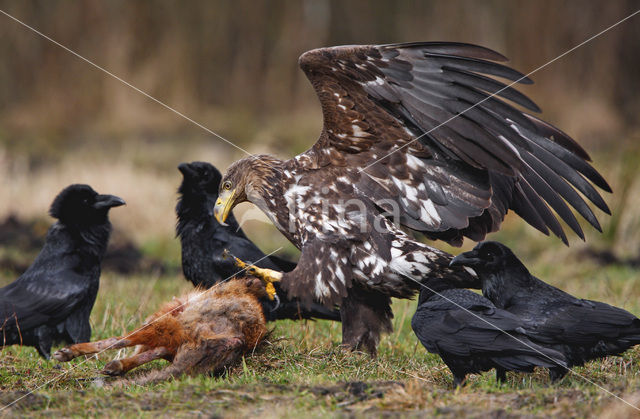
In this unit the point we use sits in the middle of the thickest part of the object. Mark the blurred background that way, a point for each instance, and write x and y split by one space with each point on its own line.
232 67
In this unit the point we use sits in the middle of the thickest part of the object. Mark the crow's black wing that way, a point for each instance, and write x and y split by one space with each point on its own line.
480 332
48 298
245 250
283 265
584 322
460 333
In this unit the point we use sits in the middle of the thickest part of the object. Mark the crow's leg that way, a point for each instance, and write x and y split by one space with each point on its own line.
557 373
121 366
365 315
44 338
459 380
501 375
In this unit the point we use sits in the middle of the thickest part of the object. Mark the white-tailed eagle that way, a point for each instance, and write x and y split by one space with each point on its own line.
411 131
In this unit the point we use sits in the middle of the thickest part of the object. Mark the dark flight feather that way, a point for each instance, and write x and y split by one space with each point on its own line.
417 87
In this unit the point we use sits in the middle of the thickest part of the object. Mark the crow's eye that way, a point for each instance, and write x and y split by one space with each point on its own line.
487 254
226 186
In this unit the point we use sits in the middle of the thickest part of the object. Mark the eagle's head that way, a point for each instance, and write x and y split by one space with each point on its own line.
248 179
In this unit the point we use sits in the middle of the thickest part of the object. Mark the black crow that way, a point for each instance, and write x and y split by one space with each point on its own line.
471 335
51 302
204 240
582 329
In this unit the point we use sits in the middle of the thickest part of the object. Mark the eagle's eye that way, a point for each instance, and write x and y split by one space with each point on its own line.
226 186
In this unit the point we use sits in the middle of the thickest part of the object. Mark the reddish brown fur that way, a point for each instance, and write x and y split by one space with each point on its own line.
203 331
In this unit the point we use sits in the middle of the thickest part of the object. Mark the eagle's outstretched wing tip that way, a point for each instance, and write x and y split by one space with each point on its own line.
451 48
377 100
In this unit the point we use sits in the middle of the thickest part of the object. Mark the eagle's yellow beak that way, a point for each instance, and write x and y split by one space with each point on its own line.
223 206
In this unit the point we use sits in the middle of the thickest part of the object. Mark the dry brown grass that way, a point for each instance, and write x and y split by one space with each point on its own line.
145 176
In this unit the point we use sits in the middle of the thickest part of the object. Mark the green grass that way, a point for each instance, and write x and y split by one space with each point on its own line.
303 371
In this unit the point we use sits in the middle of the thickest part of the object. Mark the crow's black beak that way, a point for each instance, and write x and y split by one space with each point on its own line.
108 201
186 170
469 258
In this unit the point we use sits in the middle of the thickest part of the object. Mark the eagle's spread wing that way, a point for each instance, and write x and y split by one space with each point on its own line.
476 155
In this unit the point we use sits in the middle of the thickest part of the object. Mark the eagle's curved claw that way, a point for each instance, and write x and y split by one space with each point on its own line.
277 299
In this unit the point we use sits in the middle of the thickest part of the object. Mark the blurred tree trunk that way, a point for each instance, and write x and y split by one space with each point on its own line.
240 56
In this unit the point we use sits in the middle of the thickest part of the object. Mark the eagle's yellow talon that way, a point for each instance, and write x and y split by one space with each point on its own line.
268 276
271 290
239 263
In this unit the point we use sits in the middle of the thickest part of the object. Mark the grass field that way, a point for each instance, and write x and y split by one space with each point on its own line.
302 370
